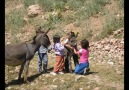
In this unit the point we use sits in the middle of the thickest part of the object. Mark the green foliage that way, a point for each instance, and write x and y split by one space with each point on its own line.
87 35
47 5
76 4
90 8
111 24
120 3
14 20
78 11
59 5
27 3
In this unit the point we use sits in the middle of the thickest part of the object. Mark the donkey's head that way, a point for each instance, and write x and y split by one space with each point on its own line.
72 39
42 38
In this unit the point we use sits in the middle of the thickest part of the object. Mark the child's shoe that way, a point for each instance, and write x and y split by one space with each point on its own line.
86 71
61 73
53 73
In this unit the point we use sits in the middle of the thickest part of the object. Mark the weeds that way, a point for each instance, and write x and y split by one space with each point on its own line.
111 24
90 8
27 3
14 20
120 3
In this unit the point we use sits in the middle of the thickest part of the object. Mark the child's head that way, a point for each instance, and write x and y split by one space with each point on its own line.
85 44
56 38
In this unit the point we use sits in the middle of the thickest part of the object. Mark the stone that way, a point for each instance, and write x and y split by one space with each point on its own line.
34 10
97 88
78 78
119 72
111 63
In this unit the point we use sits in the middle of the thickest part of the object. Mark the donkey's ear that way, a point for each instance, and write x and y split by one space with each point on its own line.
47 31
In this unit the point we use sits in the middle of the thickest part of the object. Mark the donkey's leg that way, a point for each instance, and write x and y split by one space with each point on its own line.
66 64
70 64
75 59
26 66
20 71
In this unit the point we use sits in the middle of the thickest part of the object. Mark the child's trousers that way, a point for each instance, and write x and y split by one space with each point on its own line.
80 68
59 65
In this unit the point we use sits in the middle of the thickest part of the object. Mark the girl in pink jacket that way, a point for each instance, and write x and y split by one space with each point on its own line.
83 67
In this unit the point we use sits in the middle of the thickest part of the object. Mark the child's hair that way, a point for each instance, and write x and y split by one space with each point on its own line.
84 44
56 38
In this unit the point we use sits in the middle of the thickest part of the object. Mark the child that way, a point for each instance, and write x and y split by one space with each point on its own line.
59 52
83 67
42 56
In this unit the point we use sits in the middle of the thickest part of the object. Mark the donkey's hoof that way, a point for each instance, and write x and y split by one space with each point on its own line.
71 71
27 82
19 80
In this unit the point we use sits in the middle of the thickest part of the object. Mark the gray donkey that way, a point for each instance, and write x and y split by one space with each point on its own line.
69 53
21 54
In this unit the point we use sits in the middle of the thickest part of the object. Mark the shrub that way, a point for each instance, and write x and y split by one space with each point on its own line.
27 3
111 24
14 20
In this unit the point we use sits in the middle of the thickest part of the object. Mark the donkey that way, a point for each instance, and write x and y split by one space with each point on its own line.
69 53
22 54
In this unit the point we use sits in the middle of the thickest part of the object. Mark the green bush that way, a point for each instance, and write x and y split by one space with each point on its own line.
120 3
111 24
75 4
27 3
14 20
90 8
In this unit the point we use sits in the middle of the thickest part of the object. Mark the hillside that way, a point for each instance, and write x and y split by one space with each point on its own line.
99 21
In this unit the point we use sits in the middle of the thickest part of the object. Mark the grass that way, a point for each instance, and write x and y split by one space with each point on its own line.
90 8
80 11
111 24
14 20
67 81
27 3
120 3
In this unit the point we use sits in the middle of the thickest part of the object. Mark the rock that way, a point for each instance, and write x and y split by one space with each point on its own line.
55 79
80 88
11 72
34 10
62 81
17 69
97 88
103 42
99 46
53 87
9 88
48 75
121 62
79 77
111 63
89 87
25 19
119 72
8 43
107 48
45 82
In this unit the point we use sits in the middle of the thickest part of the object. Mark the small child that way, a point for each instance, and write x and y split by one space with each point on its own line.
83 67
42 56
59 52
